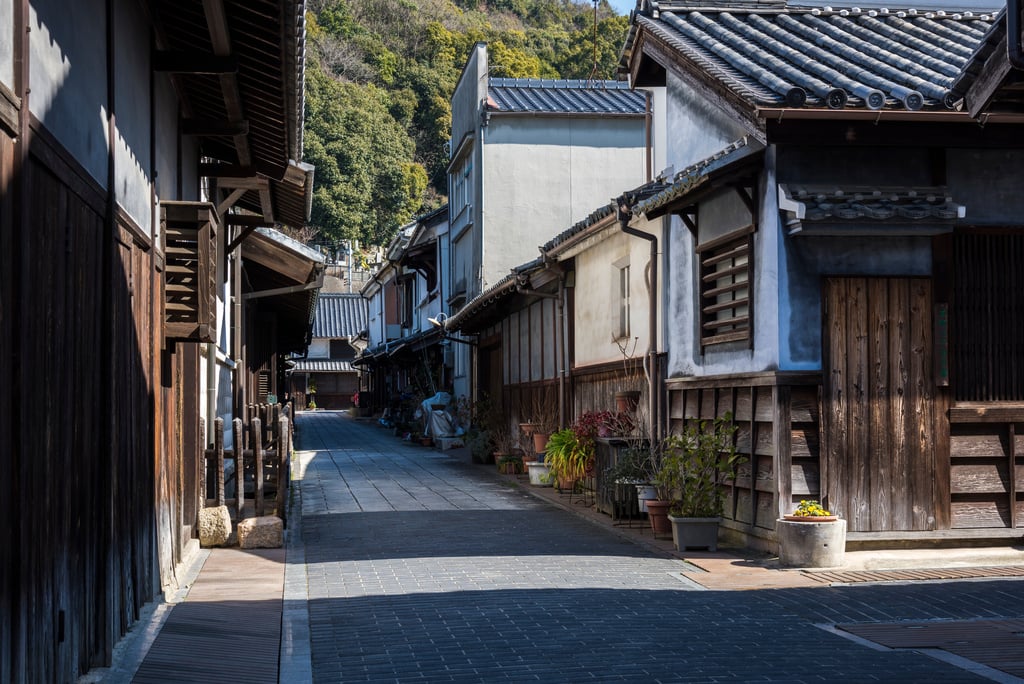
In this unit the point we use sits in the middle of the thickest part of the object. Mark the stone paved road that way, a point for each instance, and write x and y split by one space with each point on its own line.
424 568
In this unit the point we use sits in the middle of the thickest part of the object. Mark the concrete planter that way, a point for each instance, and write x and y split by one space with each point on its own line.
811 544
694 533
540 474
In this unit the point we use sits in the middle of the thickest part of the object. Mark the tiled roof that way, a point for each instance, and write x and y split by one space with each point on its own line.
599 215
535 95
323 366
823 57
339 315
695 175
815 204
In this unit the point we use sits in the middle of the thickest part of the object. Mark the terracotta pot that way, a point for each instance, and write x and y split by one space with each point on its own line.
657 514
540 441
627 402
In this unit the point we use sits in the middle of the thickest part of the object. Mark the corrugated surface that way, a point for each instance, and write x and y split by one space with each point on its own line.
551 96
823 57
323 366
339 315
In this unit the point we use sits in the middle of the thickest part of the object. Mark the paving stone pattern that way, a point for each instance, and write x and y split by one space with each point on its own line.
422 567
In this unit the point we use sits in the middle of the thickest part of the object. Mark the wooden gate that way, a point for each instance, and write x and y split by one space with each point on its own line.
881 466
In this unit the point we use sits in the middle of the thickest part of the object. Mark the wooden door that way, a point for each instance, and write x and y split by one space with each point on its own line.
878 427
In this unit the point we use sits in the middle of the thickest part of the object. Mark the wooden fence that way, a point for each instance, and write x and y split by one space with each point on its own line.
262 451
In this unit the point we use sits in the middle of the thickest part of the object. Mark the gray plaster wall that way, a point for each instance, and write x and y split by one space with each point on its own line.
132 160
723 213
67 63
988 183
7 43
696 129
808 259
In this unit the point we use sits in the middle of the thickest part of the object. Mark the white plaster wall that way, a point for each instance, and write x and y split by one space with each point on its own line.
542 175
67 63
596 297
132 162
7 43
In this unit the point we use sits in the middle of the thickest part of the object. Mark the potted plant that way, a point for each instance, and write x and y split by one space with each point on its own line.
690 470
542 422
505 444
811 537
560 456
623 479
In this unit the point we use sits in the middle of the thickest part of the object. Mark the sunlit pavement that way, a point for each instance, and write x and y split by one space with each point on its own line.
408 564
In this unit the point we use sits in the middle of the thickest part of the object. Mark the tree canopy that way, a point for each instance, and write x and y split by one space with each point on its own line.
379 80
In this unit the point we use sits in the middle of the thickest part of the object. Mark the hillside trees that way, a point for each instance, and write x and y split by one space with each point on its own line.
379 79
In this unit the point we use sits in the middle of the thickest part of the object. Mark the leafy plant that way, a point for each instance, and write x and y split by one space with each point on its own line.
691 465
633 466
810 508
566 455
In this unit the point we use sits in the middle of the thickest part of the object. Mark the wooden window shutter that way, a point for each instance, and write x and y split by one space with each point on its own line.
190 270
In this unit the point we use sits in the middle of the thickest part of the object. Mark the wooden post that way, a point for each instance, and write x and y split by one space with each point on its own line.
239 466
202 463
257 454
284 444
218 447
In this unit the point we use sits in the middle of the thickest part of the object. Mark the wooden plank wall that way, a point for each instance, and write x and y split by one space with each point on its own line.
777 430
987 467
9 538
78 452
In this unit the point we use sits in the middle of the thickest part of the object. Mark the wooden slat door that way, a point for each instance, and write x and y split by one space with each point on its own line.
878 428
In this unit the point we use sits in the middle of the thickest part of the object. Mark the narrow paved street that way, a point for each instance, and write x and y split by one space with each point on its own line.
422 567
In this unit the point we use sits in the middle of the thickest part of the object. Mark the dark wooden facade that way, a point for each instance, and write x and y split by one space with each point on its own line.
80 354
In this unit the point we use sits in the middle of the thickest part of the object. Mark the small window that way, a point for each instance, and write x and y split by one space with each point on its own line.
726 271
623 299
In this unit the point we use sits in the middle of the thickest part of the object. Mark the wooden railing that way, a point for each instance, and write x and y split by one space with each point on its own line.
262 450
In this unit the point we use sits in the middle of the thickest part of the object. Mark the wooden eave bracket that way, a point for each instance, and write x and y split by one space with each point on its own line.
997 67
689 218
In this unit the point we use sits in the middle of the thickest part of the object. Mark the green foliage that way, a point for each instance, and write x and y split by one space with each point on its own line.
366 181
691 465
379 80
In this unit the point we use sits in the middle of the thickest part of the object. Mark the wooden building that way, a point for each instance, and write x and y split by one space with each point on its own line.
141 144
844 262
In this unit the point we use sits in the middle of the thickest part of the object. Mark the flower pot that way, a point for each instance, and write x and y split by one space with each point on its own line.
657 514
804 544
540 441
645 493
694 533
540 474
627 401
528 428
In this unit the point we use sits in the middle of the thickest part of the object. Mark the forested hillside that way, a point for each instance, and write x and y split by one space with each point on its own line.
379 77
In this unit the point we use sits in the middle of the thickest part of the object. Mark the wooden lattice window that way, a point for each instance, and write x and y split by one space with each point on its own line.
726 272
190 270
987 317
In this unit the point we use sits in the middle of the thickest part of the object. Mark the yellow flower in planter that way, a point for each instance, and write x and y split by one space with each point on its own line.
810 508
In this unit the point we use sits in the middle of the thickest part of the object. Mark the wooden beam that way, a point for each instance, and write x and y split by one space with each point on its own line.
230 200
246 232
267 203
210 128
250 183
175 62
220 38
281 291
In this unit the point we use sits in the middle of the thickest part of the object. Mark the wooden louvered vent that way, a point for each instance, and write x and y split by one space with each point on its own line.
190 272
726 272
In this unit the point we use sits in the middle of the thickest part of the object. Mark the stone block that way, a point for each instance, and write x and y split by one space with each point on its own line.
214 526
264 532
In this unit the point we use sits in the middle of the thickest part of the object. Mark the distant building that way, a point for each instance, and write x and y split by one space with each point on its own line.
326 375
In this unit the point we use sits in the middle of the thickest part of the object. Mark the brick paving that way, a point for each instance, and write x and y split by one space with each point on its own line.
412 565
